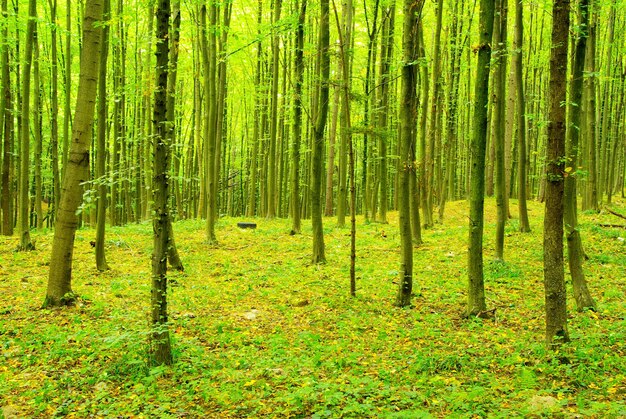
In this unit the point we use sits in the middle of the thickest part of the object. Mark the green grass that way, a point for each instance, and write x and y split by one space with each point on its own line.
312 351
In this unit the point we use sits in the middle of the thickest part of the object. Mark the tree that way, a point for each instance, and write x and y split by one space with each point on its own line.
24 200
524 224
500 40
408 119
574 243
59 290
54 105
554 275
271 179
323 57
101 263
476 286
161 350
297 120
6 116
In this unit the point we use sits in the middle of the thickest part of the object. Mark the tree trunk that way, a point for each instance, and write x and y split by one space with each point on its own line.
297 119
24 200
101 148
77 171
323 56
408 123
574 243
38 134
271 178
554 276
174 38
476 287
160 346
500 39
522 196
6 116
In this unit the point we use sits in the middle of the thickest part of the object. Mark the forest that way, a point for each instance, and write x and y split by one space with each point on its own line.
312 208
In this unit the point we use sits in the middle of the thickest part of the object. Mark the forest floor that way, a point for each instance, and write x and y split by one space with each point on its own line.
260 332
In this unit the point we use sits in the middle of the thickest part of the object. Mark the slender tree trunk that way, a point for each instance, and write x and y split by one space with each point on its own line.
408 123
372 30
574 243
77 171
37 131
297 118
6 116
101 148
330 169
450 147
434 129
554 275
476 287
500 39
160 349
174 38
54 106
68 90
271 179
384 131
590 113
319 255
522 181
24 200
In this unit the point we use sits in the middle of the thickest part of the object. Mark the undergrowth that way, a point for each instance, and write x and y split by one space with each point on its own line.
258 331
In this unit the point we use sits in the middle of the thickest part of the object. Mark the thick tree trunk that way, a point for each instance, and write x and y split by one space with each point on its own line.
554 275
77 171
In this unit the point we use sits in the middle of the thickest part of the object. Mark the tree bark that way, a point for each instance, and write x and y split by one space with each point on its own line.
522 196
554 275
59 290
408 124
574 243
101 148
476 287
297 119
24 200
160 349
319 255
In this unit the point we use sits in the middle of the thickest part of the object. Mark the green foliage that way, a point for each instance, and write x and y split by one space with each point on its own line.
258 332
